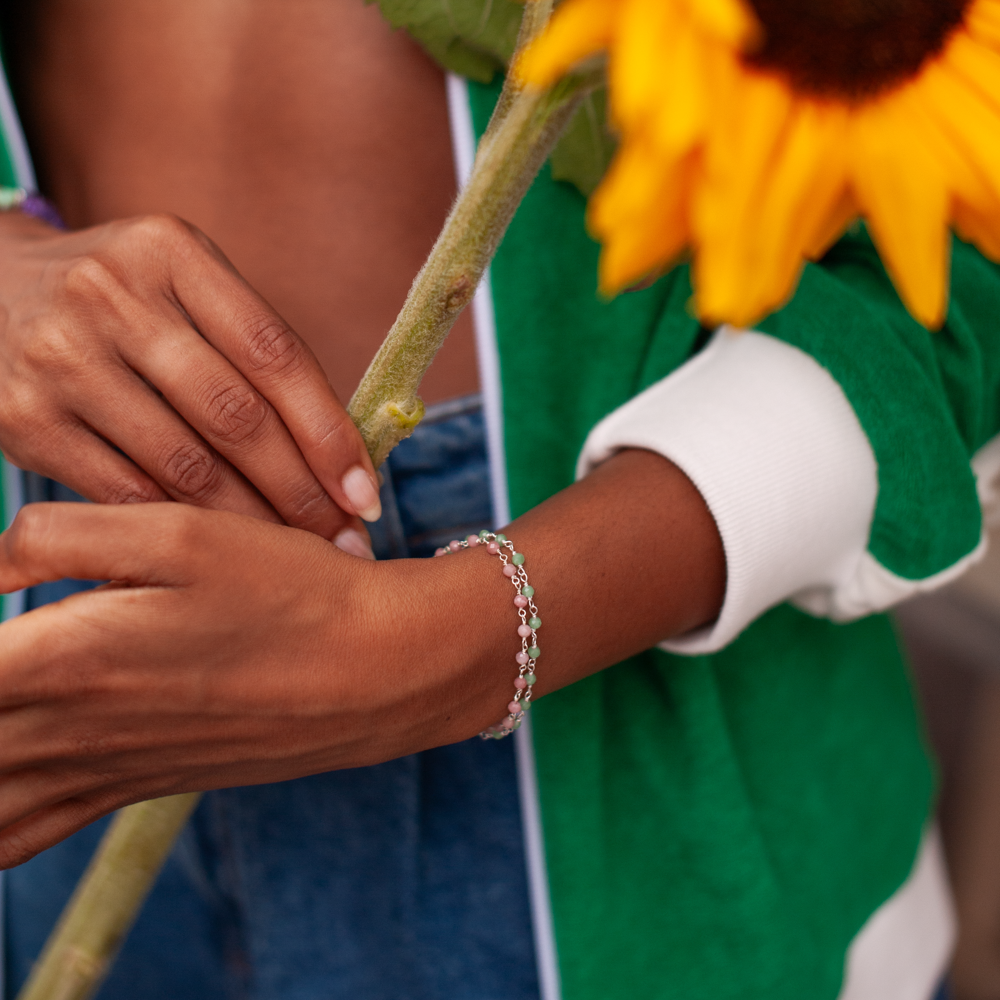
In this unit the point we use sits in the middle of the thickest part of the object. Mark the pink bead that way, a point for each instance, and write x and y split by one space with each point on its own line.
514 706
508 723
492 548
454 545
520 601
522 658
440 552
524 631
509 570
473 540
520 683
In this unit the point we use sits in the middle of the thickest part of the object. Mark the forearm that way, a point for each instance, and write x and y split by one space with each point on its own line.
621 560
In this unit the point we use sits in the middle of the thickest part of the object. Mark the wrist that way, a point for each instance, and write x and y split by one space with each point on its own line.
452 627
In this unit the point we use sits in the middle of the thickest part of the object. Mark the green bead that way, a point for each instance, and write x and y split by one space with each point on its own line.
525 705
501 538
535 622
517 558
530 679
534 652
528 591
483 533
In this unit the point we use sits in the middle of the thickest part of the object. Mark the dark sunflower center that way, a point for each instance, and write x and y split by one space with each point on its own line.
851 48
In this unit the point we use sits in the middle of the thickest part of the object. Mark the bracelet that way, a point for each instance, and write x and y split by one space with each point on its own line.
513 569
31 203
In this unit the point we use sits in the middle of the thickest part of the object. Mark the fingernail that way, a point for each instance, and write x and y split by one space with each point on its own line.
362 493
351 541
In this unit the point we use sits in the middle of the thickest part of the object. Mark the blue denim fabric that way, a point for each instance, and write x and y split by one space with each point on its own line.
403 881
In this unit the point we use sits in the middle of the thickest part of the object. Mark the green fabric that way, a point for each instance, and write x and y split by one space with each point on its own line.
927 401
722 826
8 178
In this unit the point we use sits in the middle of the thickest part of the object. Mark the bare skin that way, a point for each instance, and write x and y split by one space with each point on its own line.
235 651
311 144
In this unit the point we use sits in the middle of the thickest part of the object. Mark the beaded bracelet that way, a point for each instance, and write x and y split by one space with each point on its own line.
514 570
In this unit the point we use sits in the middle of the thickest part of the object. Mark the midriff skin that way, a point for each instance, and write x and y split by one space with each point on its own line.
308 139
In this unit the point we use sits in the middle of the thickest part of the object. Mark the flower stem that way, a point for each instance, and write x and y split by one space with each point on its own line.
107 900
518 140
522 132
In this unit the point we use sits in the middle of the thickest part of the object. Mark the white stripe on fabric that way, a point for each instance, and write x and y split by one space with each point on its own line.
24 172
904 948
463 139
538 877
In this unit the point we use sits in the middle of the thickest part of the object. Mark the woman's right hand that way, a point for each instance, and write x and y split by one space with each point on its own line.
136 365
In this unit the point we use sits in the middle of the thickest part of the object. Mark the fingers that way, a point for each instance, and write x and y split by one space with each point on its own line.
39 831
243 327
78 458
143 544
235 419
155 437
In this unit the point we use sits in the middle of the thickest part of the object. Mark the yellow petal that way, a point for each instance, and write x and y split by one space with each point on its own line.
901 190
632 182
830 228
652 241
797 199
730 21
578 29
682 115
645 37
978 227
968 127
983 20
977 65
743 145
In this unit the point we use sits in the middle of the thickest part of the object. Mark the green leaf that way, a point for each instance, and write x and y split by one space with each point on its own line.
586 148
474 38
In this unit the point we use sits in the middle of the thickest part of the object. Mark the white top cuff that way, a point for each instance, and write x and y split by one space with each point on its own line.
771 442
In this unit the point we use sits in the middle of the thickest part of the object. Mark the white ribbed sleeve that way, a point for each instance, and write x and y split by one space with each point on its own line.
771 442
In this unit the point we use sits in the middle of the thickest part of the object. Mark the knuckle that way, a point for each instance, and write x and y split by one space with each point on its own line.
183 530
160 229
92 277
53 351
270 346
27 532
236 413
123 491
192 471
308 505
340 435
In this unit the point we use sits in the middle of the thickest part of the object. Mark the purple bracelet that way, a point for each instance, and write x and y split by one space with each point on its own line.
513 569
31 203
41 208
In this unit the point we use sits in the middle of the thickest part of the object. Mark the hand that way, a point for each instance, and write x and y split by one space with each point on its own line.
137 365
231 651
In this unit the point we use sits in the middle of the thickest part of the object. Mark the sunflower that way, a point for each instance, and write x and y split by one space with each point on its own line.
753 133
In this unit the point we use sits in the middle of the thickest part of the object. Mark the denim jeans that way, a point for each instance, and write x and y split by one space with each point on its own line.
402 881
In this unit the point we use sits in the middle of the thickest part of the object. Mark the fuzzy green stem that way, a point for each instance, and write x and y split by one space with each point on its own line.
525 128
107 900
